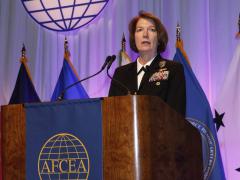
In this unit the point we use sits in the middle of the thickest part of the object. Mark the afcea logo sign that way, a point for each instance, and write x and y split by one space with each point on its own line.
63 156
64 15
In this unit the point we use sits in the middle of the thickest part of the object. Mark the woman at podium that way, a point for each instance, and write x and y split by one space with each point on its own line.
150 74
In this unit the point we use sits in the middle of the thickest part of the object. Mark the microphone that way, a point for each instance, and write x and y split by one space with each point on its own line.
107 61
115 80
113 57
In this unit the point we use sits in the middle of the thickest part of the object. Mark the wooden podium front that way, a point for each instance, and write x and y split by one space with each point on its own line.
143 138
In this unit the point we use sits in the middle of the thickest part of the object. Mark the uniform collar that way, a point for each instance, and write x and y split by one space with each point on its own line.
139 65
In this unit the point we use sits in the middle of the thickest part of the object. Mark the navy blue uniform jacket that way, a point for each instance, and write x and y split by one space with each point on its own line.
163 78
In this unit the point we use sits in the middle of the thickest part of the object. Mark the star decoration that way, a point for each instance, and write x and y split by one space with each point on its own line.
218 120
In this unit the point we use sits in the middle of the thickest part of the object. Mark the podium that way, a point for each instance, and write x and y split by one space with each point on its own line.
142 138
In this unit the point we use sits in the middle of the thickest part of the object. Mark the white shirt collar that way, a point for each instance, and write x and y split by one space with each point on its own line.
139 65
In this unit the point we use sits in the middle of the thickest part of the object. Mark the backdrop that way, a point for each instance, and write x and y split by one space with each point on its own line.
208 31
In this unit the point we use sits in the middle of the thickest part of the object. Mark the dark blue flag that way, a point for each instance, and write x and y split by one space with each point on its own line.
198 113
66 78
24 90
64 140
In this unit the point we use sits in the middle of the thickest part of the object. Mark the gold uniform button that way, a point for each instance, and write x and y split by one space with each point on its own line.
157 83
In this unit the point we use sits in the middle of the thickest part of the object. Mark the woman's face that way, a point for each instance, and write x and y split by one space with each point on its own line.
146 36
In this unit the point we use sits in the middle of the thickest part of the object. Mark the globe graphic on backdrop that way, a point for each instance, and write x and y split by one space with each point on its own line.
63 156
64 15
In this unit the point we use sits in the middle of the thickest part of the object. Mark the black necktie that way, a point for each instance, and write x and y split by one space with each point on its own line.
142 69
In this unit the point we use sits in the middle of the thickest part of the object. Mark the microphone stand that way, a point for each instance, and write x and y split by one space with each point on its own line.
107 61
115 80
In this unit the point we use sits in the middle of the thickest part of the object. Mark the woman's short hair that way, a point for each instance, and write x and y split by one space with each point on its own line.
161 31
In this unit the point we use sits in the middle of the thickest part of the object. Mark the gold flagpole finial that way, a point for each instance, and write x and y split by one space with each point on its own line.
24 60
123 43
23 57
238 34
123 56
178 32
179 43
23 51
65 44
66 49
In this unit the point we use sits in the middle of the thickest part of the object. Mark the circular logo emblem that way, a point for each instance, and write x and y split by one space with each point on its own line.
208 146
63 156
64 15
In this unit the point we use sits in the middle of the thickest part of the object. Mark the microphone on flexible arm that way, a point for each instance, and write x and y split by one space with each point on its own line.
107 61
113 57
